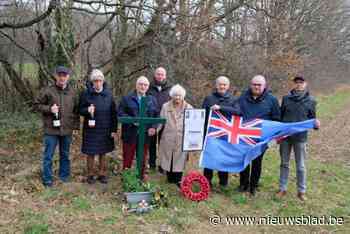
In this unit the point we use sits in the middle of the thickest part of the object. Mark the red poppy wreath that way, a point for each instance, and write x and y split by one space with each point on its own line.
188 183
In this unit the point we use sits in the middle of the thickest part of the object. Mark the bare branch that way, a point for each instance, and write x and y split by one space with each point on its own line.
93 35
92 12
52 6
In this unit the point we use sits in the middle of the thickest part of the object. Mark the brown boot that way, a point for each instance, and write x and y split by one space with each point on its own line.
301 196
281 193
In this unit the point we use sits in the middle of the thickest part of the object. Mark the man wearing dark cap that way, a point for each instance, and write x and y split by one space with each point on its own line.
58 104
297 106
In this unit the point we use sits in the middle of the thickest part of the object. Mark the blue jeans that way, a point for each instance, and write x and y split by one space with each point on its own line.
50 142
299 149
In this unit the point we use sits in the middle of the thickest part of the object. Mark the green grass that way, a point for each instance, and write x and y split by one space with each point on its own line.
36 229
329 105
81 203
19 128
82 210
35 223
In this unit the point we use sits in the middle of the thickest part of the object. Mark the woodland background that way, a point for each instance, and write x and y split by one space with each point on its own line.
195 40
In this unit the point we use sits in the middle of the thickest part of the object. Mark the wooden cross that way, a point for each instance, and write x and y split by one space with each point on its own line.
142 121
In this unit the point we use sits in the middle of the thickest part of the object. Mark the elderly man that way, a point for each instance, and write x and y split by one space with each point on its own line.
256 102
129 107
223 101
298 105
159 89
58 104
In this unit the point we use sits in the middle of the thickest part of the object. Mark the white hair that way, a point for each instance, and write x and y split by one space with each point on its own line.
177 90
142 78
222 79
97 75
259 78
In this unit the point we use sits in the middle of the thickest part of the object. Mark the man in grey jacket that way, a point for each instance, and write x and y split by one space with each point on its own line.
297 106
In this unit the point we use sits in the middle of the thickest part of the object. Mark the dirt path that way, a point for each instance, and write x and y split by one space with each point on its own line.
332 141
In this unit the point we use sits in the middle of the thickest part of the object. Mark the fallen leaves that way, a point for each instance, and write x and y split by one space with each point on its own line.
5 152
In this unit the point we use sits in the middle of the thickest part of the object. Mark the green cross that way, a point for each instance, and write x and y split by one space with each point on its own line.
142 121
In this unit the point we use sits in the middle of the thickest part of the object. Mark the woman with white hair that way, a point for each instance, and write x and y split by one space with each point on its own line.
98 108
172 158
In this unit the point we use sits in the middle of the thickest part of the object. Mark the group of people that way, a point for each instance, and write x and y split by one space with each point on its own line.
61 107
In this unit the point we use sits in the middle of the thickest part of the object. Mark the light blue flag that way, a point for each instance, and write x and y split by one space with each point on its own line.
231 144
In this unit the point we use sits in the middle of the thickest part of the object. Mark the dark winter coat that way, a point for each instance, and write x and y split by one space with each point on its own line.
298 107
98 140
129 107
68 102
264 107
228 103
161 95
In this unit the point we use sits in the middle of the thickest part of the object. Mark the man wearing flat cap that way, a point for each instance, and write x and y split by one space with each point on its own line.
58 104
297 106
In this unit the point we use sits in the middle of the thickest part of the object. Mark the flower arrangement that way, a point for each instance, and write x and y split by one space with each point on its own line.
133 186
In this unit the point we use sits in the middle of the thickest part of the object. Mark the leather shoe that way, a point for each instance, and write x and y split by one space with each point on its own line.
252 191
103 179
242 188
90 180
301 196
281 193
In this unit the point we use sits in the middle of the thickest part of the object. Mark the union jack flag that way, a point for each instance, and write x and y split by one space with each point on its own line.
233 130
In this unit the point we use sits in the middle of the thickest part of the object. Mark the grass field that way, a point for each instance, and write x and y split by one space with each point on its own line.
26 207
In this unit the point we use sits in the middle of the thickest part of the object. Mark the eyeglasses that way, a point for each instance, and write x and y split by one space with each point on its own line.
142 84
254 84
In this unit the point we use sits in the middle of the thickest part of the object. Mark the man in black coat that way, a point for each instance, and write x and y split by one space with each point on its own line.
256 102
297 106
223 101
159 89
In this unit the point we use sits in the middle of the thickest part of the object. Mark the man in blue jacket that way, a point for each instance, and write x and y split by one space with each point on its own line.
297 106
223 101
256 102
129 107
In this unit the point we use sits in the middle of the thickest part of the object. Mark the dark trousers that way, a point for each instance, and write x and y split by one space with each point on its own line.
250 178
173 177
129 151
223 176
154 140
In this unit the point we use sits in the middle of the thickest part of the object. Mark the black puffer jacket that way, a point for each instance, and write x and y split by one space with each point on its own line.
298 107
160 93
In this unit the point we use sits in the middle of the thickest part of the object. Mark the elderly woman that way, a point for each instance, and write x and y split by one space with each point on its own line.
100 124
172 158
